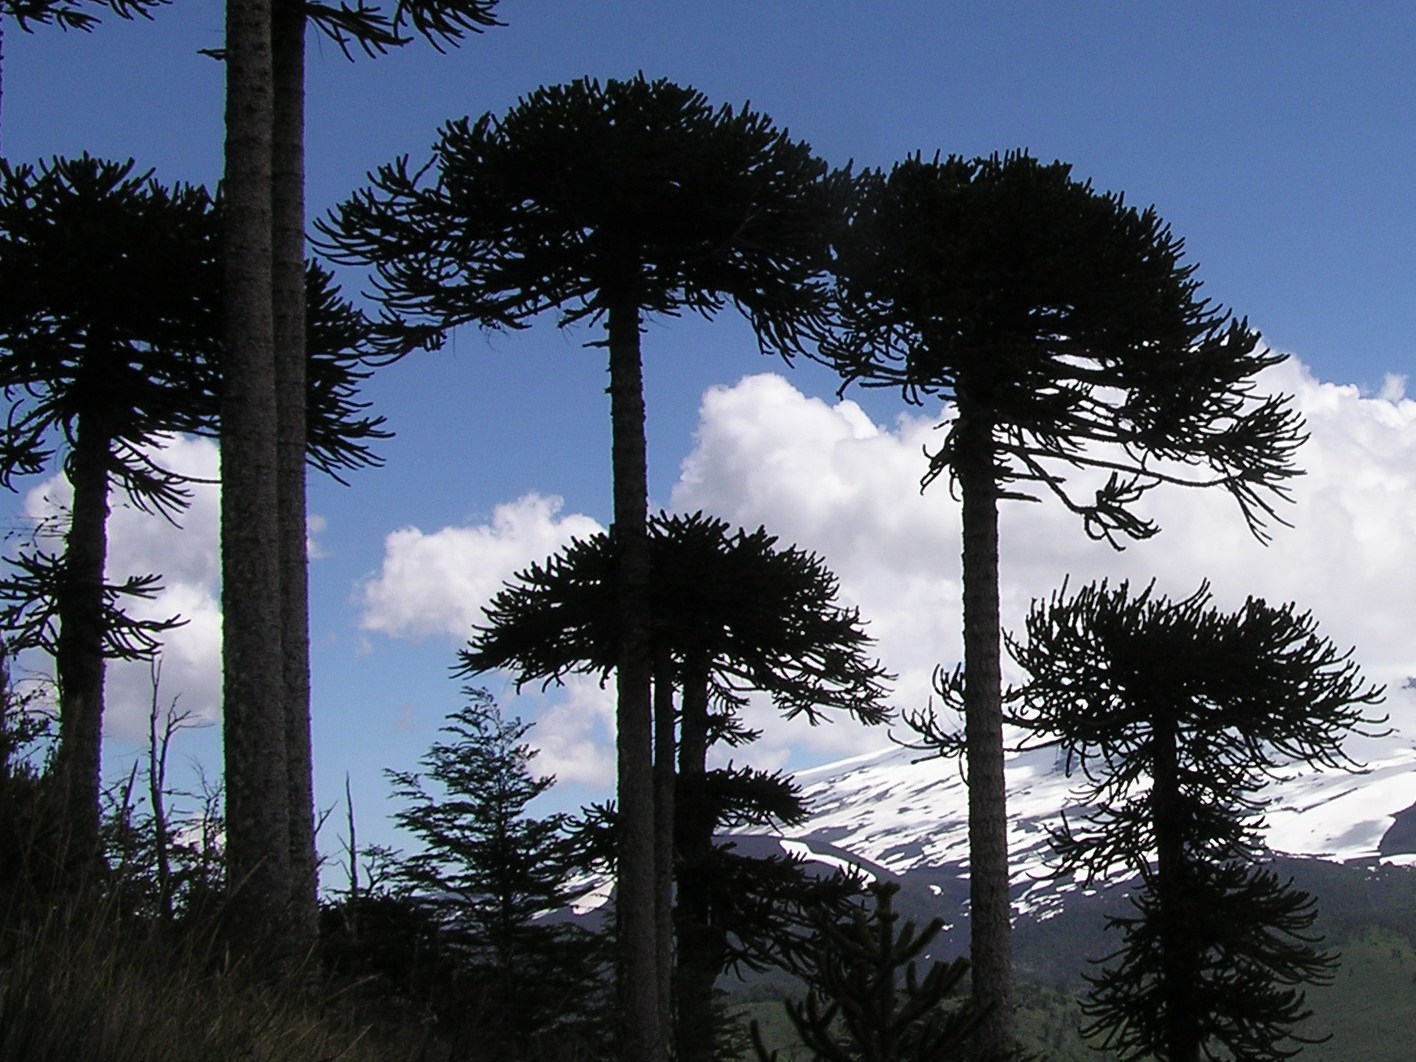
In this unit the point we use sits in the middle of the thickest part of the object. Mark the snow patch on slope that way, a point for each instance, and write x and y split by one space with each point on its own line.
907 812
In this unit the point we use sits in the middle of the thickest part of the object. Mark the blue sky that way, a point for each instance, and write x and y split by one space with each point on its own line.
1277 139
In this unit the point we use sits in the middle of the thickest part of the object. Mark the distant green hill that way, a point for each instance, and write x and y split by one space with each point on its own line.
1367 913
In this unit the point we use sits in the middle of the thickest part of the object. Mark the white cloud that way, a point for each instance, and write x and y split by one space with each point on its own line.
575 730
825 478
436 583
315 525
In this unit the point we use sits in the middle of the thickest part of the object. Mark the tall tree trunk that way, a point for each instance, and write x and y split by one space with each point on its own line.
79 652
1179 958
989 908
288 294
700 945
665 778
257 818
642 1039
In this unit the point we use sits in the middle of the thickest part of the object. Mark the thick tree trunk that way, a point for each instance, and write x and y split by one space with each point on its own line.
79 653
642 1034
700 945
989 906
665 778
1180 961
288 293
257 818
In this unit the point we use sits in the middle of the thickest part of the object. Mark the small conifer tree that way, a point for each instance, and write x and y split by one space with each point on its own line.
866 1001
490 873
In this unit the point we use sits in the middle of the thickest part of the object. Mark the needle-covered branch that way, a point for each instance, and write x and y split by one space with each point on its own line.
765 618
73 14
1177 714
1004 284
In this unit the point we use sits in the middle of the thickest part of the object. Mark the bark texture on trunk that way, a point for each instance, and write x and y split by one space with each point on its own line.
257 819
288 294
700 943
642 1036
78 660
989 903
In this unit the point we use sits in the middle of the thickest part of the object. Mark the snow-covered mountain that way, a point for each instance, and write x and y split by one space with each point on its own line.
891 812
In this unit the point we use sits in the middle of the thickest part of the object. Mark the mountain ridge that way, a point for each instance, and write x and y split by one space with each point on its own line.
901 812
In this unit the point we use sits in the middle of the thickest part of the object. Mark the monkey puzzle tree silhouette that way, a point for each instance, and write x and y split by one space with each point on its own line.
608 202
731 613
263 555
1067 334
1177 714
110 339
103 322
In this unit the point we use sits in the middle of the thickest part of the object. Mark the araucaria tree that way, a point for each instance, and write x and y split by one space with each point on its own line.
107 323
1067 335
111 339
375 30
732 613
610 202
1176 714
264 578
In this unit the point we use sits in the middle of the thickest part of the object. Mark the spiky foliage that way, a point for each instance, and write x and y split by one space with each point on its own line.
761 617
371 27
1067 322
107 313
73 14
110 311
584 196
866 1000
1069 336
1177 713
490 873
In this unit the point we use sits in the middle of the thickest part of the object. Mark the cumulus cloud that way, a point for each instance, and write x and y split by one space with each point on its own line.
187 560
435 583
826 478
575 731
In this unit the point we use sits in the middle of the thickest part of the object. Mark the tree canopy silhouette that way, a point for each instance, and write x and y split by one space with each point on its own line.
732 613
606 202
110 341
1069 338
1176 714
491 872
